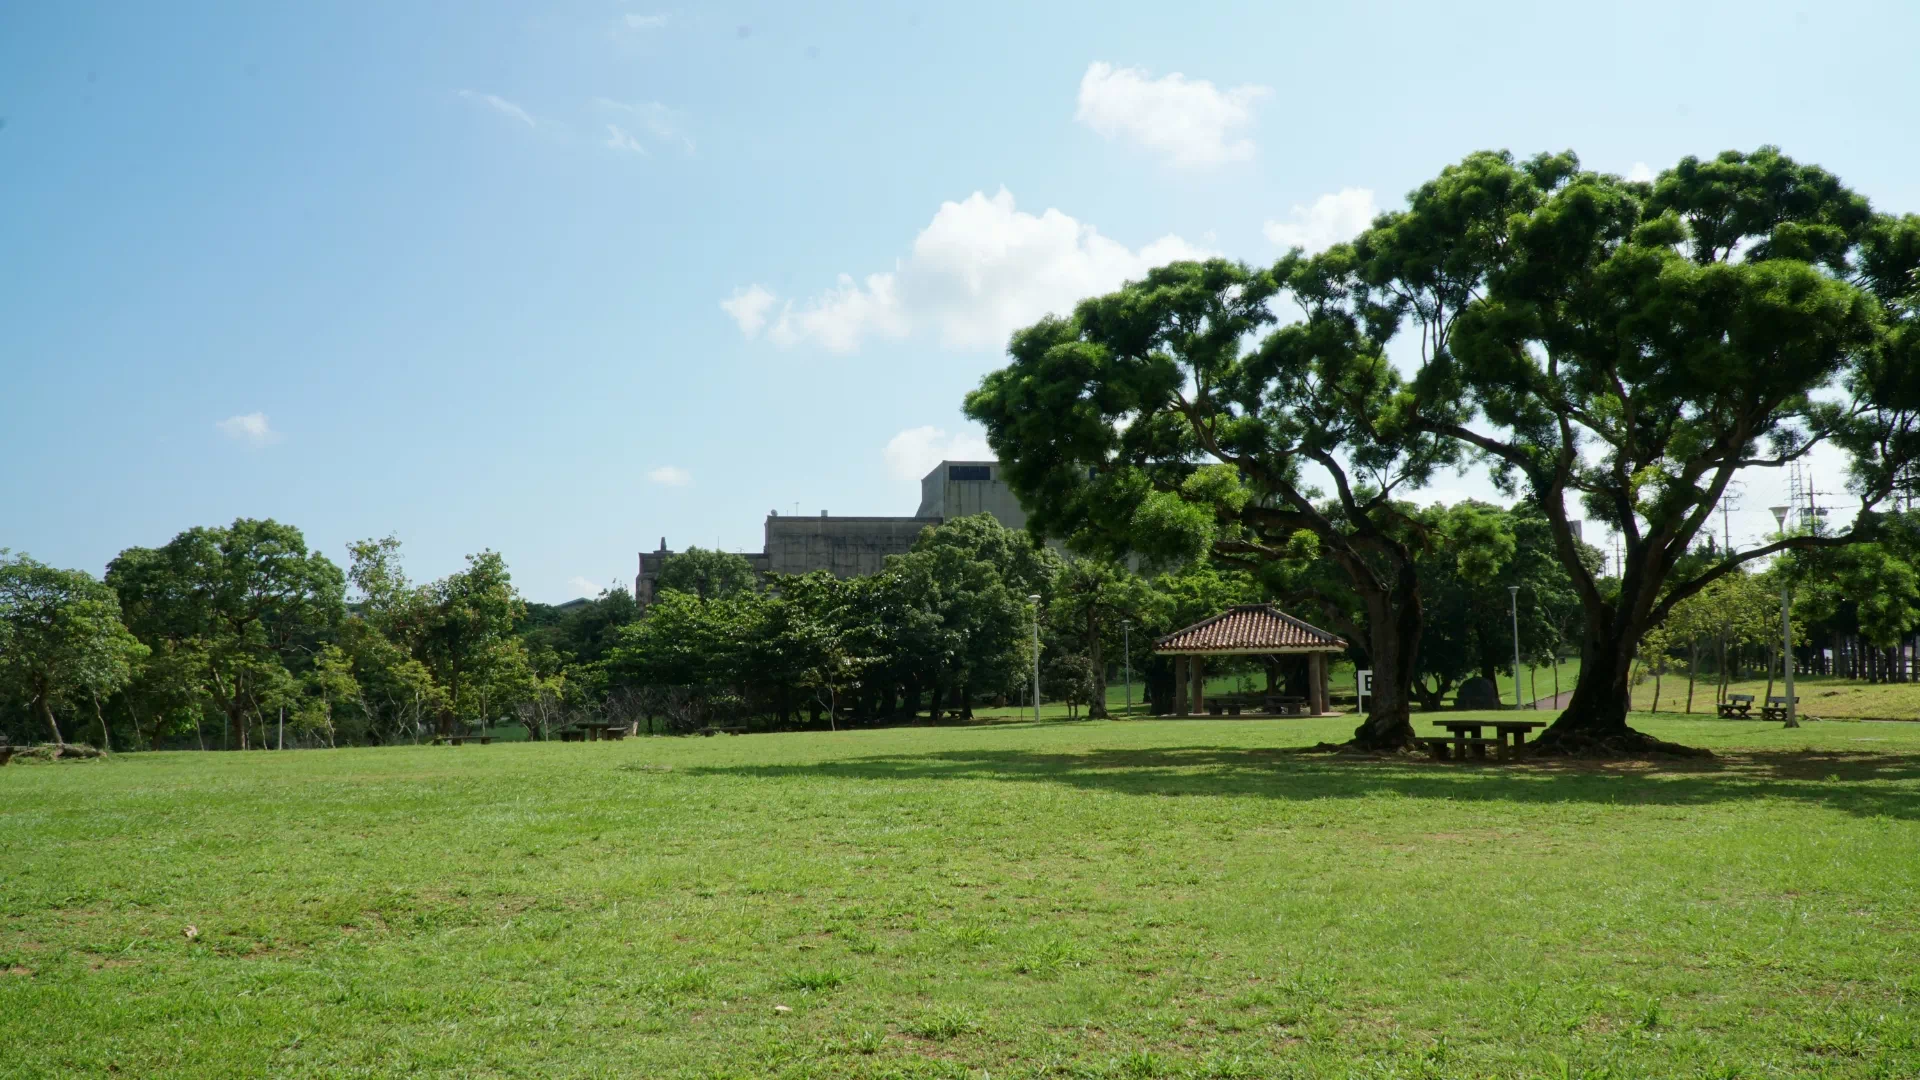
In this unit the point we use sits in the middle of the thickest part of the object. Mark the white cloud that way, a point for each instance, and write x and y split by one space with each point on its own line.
650 118
1641 173
619 138
1190 122
749 307
671 476
915 451
634 21
1331 219
250 428
500 105
584 587
979 270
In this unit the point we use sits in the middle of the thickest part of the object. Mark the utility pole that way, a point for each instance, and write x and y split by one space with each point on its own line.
1786 625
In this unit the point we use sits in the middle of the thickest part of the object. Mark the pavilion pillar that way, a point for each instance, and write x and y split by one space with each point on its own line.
1179 685
1317 682
1199 679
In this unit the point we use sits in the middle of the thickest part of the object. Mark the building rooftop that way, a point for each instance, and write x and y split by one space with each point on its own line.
1250 628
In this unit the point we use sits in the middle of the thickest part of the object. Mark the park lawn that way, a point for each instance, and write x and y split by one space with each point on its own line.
1132 899
1820 695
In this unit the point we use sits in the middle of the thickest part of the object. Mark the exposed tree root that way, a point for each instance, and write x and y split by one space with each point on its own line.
1625 743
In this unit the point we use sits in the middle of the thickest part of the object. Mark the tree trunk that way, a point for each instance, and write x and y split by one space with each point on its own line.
1693 668
1097 707
106 737
1393 635
1595 720
46 710
1769 694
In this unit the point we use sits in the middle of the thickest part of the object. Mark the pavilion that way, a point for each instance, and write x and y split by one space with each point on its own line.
1249 630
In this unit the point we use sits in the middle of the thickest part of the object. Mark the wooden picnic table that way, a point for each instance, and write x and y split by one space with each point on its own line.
594 730
1465 733
1736 707
1776 708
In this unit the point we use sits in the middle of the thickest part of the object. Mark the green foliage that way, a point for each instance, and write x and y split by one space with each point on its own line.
233 609
707 575
1628 348
61 640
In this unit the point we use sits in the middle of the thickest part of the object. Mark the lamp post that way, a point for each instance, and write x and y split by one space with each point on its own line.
1513 594
1035 601
1786 624
1126 659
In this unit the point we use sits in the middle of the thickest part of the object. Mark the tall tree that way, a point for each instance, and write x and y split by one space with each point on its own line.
1092 595
708 575
245 601
1146 424
1626 348
468 641
61 640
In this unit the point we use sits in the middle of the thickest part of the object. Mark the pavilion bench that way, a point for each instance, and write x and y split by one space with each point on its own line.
1736 707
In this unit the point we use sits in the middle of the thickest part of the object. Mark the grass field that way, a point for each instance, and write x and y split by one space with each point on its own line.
1820 695
1141 899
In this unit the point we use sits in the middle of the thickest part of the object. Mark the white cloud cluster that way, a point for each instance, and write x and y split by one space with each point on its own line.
671 476
1331 219
1641 173
250 428
979 270
914 451
656 122
500 105
1189 122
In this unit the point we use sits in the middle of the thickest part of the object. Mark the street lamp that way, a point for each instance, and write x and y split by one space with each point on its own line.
1513 594
1035 601
1126 658
1786 623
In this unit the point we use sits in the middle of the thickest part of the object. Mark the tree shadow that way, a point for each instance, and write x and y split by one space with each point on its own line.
1864 783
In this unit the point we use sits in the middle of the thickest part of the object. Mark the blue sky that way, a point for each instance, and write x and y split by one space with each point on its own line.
562 279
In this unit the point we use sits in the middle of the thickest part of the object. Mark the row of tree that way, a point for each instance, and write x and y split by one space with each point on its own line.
1610 349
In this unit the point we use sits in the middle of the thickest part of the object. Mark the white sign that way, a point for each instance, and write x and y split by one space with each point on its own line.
1362 686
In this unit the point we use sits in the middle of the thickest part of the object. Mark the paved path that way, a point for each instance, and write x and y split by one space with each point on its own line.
1554 703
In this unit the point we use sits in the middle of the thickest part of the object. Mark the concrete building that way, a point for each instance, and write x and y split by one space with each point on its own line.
857 546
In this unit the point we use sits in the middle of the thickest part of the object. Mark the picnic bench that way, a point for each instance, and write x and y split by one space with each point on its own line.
1736 707
457 740
711 731
592 731
1465 734
1777 708
1285 705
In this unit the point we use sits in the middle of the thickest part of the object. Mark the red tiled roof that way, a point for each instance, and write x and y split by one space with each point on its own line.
1249 628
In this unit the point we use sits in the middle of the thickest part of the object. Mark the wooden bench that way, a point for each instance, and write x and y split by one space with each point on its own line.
570 735
457 740
1281 705
1776 708
710 732
1736 707
1442 747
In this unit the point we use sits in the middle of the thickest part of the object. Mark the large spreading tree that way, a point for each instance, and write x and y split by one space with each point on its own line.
1628 348
1153 423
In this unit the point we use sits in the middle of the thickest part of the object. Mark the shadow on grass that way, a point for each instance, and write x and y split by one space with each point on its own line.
1863 783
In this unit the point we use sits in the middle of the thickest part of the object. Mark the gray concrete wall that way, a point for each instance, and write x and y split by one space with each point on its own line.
857 546
942 496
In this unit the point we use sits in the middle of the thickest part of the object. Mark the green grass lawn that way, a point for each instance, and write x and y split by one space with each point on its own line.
1820 695
1140 899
